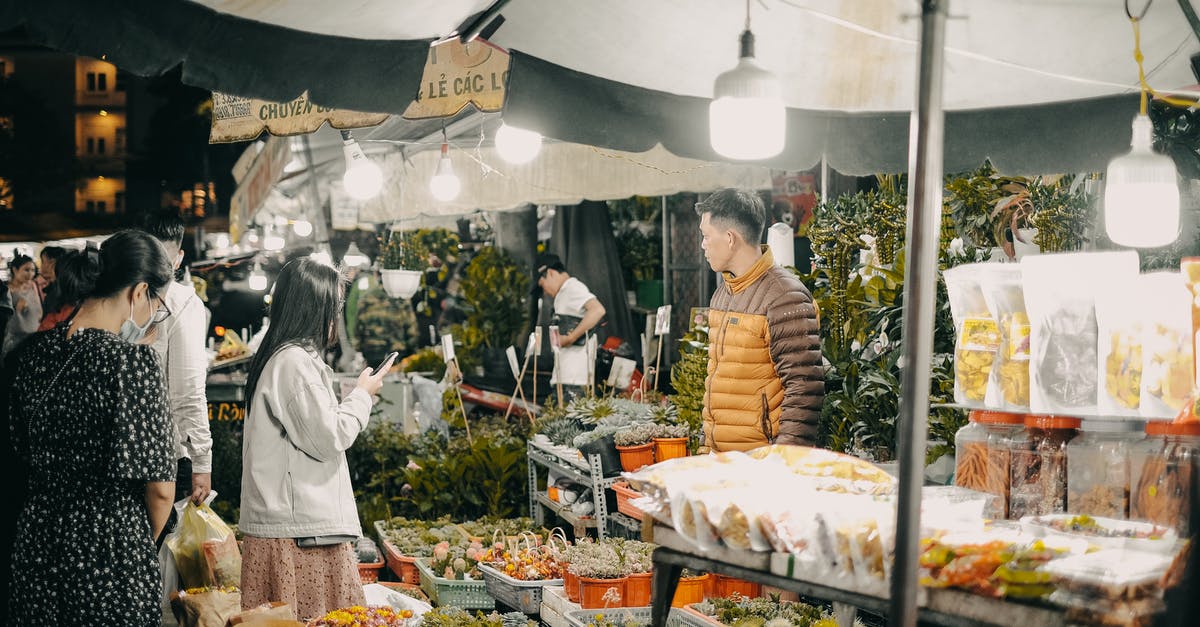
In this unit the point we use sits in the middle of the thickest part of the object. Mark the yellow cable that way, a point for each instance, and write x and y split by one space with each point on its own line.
1146 88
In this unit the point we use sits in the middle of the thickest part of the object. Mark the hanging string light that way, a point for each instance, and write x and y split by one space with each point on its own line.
445 185
363 179
517 145
747 118
1141 195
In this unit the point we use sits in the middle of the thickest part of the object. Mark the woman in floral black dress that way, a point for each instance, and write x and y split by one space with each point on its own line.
88 416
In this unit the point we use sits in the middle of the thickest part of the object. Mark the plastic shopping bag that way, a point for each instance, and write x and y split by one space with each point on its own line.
206 552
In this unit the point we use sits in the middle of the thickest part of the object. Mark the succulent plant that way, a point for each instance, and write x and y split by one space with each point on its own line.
664 414
673 431
635 435
595 560
561 430
636 557
588 437
590 409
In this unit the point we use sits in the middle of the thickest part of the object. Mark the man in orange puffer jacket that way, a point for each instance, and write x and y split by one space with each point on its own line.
765 379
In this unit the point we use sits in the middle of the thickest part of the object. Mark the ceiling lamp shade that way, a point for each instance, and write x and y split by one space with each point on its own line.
517 145
363 179
747 119
257 281
1141 195
354 257
445 184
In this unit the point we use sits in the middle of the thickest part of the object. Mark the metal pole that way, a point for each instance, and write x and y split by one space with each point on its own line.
666 264
920 289
824 178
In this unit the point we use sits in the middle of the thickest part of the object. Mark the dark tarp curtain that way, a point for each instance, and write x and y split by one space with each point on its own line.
1073 136
220 52
238 56
583 239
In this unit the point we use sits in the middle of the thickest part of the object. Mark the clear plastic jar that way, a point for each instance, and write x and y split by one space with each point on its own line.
1164 475
1098 467
981 453
1038 466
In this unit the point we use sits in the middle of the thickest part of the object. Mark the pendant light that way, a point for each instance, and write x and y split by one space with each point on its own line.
517 145
747 119
257 280
1141 193
354 257
303 228
363 179
445 184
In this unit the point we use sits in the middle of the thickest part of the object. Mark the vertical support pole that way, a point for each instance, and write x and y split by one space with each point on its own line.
824 178
667 295
920 290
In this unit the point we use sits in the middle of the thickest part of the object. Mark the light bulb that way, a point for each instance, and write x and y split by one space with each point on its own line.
222 241
251 237
322 258
445 184
273 242
354 257
364 283
517 145
303 228
257 280
747 118
1141 194
363 179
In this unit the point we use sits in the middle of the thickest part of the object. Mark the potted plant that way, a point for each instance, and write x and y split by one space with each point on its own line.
693 588
671 441
599 441
636 445
637 566
400 275
495 293
601 577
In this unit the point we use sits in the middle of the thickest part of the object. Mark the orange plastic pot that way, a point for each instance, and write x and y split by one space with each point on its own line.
601 593
637 590
690 590
634 457
670 448
729 586
570 584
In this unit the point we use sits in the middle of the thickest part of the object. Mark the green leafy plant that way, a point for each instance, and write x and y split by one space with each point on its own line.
396 254
425 360
636 557
451 616
688 375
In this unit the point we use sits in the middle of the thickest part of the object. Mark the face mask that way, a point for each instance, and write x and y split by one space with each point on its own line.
130 331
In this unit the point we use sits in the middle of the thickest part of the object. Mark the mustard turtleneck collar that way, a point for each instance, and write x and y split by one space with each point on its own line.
738 283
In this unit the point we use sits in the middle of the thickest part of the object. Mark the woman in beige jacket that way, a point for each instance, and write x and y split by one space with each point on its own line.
298 513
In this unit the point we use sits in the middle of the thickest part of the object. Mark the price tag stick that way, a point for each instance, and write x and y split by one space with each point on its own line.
658 361
519 393
455 380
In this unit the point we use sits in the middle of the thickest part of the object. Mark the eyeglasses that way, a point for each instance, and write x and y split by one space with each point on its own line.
161 314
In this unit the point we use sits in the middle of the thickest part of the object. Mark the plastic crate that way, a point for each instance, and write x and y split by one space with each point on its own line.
403 566
409 589
369 573
624 494
632 616
466 594
523 596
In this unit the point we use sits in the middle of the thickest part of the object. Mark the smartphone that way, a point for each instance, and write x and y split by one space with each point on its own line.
390 356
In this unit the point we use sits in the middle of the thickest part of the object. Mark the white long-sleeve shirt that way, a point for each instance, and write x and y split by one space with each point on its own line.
180 345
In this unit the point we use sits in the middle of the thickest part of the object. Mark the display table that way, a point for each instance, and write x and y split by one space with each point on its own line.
937 606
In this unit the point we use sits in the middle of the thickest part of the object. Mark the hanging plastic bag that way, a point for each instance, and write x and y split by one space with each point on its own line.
206 552
975 332
1167 376
1008 383
1060 295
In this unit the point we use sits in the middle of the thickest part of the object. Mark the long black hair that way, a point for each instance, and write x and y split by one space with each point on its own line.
305 306
127 258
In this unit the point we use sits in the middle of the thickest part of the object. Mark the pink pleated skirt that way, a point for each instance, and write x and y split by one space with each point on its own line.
313 581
